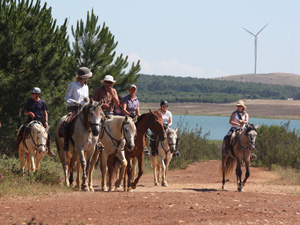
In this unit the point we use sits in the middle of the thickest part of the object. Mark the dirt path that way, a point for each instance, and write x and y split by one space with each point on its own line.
193 197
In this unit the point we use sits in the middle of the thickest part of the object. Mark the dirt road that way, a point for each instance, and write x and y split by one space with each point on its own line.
194 196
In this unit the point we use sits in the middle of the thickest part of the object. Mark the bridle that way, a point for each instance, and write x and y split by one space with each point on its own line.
170 144
250 142
116 142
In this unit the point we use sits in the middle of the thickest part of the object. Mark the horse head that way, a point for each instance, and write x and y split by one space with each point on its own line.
172 139
39 137
251 133
129 131
92 116
157 124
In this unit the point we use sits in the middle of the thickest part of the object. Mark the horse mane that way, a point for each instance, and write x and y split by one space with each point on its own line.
85 112
140 118
250 127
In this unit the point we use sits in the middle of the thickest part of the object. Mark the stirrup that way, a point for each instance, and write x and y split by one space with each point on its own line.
253 156
146 151
177 154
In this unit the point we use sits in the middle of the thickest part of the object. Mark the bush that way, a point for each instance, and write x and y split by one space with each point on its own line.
278 145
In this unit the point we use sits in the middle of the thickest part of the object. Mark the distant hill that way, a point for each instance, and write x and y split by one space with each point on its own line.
267 78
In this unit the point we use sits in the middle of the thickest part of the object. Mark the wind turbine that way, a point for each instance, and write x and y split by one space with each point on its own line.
255 44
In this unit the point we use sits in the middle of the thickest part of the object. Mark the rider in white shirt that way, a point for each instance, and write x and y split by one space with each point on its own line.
168 121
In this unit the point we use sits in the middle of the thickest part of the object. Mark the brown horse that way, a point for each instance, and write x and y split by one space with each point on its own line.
154 122
242 146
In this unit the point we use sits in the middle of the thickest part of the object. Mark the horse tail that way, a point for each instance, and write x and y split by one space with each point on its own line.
230 164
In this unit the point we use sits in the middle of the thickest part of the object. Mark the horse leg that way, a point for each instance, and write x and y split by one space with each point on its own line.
247 163
224 159
169 157
72 163
153 164
129 174
83 162
22 163
239 175
163 173
91 169
31 157
141 170
104 170
121 156
110 165
133 171
38 160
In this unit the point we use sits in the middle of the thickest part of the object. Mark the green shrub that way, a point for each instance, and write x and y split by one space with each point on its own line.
278 145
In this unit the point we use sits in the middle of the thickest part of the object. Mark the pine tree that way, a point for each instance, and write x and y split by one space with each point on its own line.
34 52
94 47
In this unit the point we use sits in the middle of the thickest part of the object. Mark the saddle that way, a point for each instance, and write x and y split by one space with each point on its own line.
70 121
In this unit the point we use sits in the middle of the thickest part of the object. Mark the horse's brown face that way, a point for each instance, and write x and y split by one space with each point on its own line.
157 125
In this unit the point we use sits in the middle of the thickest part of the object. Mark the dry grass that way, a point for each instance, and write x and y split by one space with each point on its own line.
276 109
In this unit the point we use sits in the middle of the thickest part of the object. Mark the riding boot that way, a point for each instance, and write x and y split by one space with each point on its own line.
253 156
153 145
146 151
18 141
49 152
177 154
66 137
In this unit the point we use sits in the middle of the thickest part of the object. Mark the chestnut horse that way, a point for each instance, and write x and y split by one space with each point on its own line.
154 122
242 147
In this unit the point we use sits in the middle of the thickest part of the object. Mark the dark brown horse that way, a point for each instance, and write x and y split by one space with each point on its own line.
154 122
242 147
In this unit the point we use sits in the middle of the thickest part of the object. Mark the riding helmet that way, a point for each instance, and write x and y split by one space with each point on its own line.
36 90
164 103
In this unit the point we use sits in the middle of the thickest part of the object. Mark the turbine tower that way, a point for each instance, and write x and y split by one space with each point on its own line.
255 44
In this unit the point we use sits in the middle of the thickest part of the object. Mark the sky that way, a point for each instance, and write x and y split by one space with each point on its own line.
196 38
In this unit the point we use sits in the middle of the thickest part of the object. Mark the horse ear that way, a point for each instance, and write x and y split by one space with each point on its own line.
47 129
176 129
91 101
151 111
256 126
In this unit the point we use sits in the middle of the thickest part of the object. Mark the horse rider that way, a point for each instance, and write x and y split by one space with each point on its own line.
35 109
238 120
77 95
131 107
167 118
108 94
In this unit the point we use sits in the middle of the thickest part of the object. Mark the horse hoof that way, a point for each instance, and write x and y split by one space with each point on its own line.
92 190
156 184
164 184
105 189
223 187
85 189
240 189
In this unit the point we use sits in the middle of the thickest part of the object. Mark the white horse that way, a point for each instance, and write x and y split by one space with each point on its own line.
33 146
166 150
85 137
117 132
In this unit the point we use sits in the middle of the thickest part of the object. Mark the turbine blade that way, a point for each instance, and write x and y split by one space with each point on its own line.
262 29
249 31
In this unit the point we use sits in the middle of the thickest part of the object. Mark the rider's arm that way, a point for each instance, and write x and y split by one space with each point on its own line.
68 96
170 121
124 109
231 120
115 98
137 111
246 119
46 118
28 113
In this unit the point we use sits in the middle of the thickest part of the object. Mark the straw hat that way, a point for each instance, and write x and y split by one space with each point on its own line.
241 103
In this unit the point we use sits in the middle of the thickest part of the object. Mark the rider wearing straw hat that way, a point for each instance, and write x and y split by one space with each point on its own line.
108 94
238 119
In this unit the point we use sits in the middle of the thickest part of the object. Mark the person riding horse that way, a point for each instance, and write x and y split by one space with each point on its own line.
35 108
167 118
77 95
238 119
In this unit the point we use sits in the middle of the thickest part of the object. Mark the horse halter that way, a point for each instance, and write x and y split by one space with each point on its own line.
250 142
170 144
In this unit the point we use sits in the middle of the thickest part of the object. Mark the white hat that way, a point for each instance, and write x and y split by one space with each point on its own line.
109 78
84 72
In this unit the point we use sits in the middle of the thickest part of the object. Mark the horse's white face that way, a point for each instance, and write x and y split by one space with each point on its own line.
41 137
129 130
172 139
95 115
251 136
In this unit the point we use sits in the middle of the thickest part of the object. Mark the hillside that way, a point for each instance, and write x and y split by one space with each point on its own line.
267 78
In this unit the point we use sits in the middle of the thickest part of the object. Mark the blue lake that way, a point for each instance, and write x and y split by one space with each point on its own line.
219 126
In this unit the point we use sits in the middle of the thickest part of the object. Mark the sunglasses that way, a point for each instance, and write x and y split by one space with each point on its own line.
108 82
239 106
